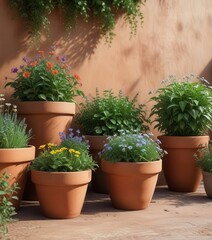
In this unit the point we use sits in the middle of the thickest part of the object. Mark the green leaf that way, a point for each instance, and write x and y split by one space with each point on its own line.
182 105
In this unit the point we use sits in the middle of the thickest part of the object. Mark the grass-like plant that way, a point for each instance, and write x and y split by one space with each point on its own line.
183 107
107 114
132 147
13 133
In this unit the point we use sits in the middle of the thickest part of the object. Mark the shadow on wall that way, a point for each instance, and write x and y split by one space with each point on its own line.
207 74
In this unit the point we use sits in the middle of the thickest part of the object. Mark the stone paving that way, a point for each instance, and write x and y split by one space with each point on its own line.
171 216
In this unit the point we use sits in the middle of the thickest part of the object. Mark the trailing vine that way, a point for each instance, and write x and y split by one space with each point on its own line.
36 13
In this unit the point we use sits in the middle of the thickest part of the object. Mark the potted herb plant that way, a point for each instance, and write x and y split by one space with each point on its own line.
105 115
44 91
61 175
205 163
131 162
15 153
183 111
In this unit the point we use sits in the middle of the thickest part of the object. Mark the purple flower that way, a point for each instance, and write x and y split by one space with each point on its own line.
14 70
21 66
24 59
63 59
62 135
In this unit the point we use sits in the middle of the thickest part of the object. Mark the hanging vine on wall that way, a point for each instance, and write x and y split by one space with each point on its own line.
36 13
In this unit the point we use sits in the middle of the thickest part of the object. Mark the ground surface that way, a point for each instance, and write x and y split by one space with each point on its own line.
171 215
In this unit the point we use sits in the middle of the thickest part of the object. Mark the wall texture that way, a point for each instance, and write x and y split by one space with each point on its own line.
174 39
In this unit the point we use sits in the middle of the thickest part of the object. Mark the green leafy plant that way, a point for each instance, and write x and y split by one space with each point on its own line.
132 147
71 156
105 12
204 159
7 211
107 114
183 108
13 133
45 79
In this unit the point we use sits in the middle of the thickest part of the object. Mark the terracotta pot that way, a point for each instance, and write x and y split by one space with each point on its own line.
179 165
46 120
15 161
131 185
98 177
61 194
207 179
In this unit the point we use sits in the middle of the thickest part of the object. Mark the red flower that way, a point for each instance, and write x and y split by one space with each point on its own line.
49 65
33 64
55 72
77 77
26 74
51 53
41 53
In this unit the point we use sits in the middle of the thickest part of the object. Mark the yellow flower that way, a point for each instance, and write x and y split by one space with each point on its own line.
71 150
51 145
53 152
77 152
42 146
76 155
63 148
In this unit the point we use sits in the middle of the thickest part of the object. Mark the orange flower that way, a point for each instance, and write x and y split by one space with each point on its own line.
41 53
49 65
65 66
26 74
33 64
55 72
77 77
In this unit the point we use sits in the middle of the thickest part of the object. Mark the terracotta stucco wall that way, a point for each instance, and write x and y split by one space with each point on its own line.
174 39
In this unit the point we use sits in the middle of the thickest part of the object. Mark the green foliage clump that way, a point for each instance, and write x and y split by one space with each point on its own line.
105 12
108 114
71 156
205 159
7 210
132 147
45 79
183 108
13 133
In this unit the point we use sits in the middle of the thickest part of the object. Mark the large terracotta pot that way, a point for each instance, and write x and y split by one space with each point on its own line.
15 161
61 194
131 185
46 120
207 179
98 177
179 165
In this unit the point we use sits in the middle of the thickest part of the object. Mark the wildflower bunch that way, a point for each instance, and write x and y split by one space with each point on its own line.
70 156
45 79
132 147
13 132
183 107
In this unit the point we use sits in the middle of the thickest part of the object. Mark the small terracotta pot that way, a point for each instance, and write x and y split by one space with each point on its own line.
207 179
46 119
131 185
15 161
61 194
98 177
179 165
